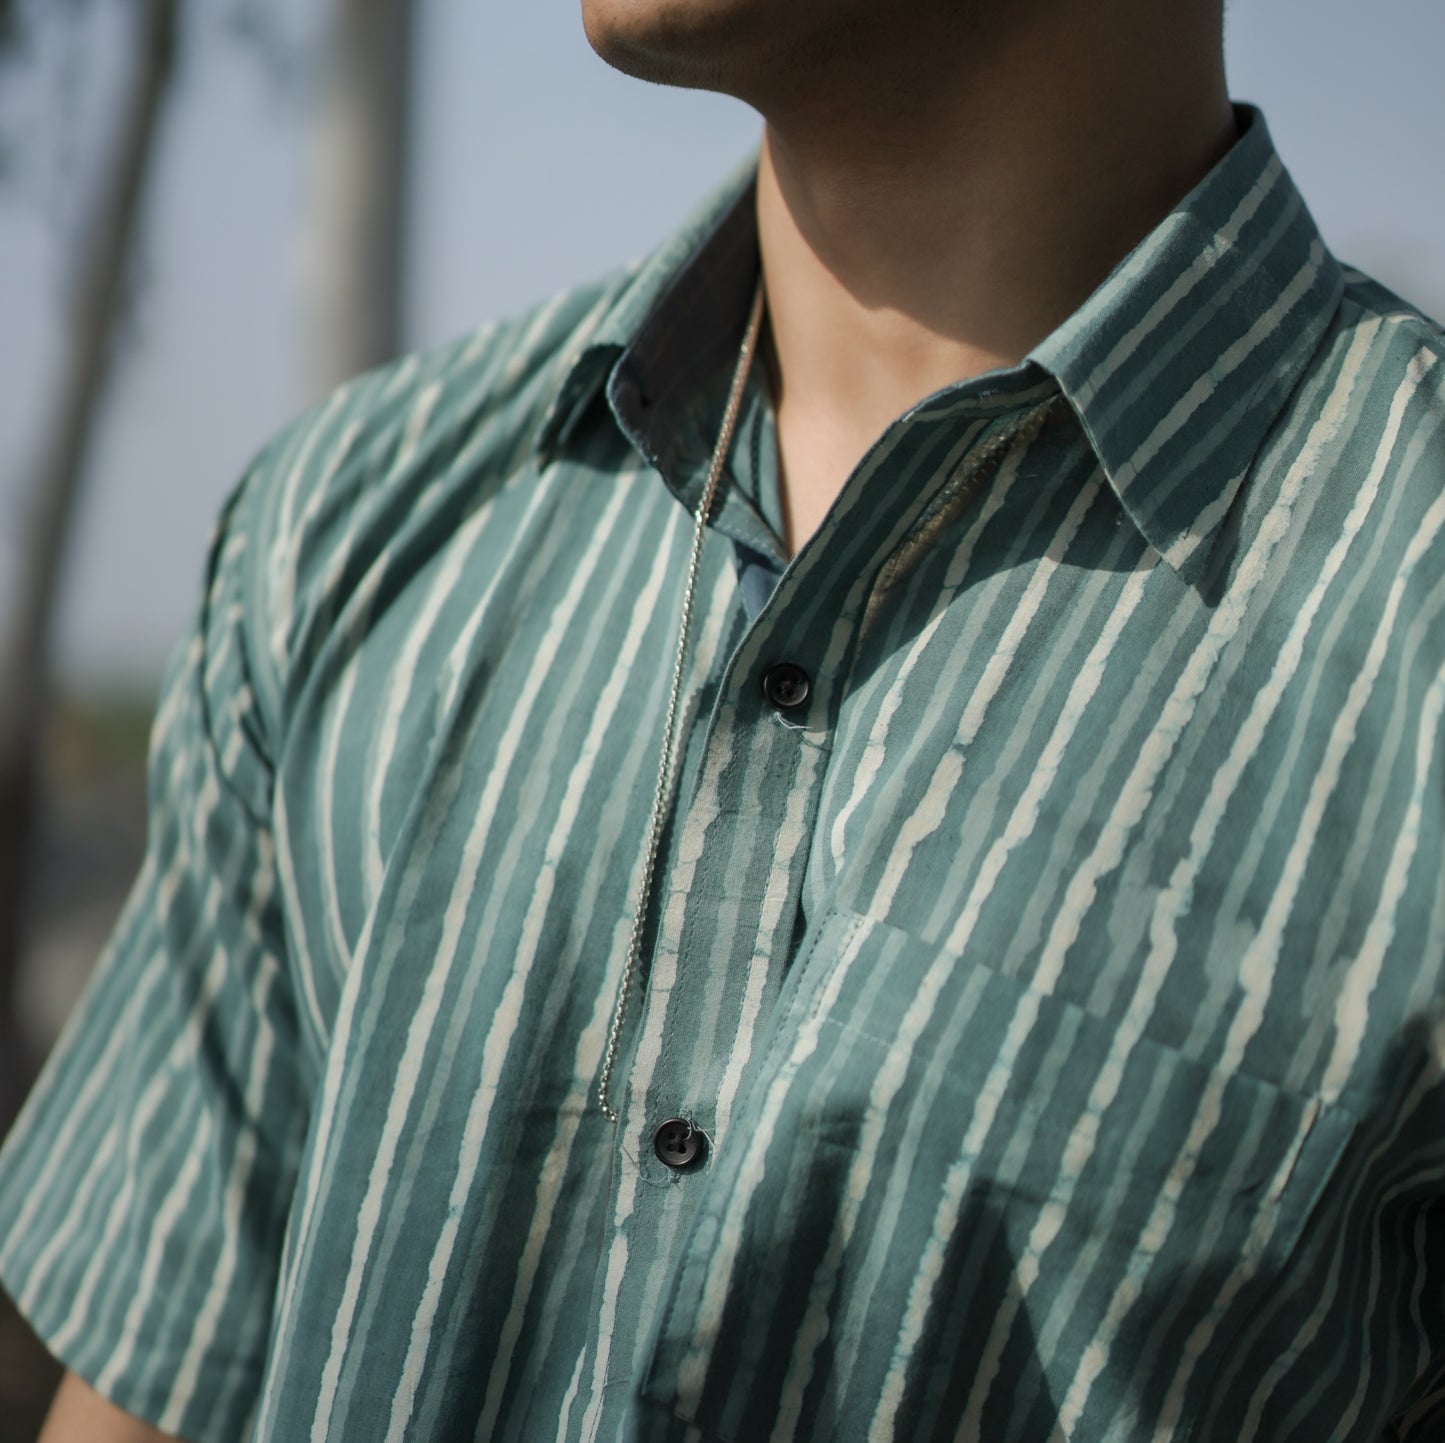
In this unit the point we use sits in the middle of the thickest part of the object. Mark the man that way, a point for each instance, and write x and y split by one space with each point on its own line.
1032 1028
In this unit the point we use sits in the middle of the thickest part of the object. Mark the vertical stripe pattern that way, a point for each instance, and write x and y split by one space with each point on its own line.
1055 989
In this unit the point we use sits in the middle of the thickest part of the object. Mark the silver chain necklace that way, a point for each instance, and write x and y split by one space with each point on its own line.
665 777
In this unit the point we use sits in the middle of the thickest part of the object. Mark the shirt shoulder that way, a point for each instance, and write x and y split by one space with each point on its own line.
1372 397
362 489
1353 470
1369 297
1399 344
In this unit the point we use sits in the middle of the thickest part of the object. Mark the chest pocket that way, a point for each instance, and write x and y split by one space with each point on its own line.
949 1206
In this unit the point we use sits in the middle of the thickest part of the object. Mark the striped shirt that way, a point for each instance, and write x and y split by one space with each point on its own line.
1053 993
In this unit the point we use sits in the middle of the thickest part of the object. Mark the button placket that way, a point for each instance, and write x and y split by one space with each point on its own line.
685 961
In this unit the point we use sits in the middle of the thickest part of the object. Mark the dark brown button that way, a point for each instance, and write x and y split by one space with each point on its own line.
786 686
677 1142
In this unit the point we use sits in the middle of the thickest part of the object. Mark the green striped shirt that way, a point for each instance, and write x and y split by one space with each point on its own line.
1055 991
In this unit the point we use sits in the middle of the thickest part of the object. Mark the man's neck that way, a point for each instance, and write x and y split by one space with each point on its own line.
946 218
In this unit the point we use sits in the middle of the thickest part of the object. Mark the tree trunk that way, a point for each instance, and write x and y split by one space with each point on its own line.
64 447
355 230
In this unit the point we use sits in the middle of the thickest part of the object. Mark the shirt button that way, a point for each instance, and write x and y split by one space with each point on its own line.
677 1142
786 686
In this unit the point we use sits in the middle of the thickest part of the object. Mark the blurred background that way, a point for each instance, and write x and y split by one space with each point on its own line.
213 210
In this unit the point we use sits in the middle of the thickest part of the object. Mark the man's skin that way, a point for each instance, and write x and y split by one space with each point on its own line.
942 183
80 1415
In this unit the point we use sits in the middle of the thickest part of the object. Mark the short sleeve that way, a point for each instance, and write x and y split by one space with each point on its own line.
145 1188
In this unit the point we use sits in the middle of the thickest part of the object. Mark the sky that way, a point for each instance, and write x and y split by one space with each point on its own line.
536 167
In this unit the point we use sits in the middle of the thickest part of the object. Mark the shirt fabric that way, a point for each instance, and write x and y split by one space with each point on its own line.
1057 988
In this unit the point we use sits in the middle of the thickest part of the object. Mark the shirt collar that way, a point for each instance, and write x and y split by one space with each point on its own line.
653 303
1177 366
1180 363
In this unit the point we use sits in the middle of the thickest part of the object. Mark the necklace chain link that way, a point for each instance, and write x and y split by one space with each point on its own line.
665 778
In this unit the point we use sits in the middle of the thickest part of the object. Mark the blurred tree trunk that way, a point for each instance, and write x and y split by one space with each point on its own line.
64 445
355 229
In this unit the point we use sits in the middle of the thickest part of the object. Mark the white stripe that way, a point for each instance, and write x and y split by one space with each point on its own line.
70 1329
916 1130
1324 967
403 674
553 1173
1225 239
1126 936
1325 1301
883 1427
1229 361
99 1076
1045 771
166 887
423 1022
931 811
286 544
868 765
578 1240
1108 851
1257 967
212 1310
878 1124
143 1298
692 1371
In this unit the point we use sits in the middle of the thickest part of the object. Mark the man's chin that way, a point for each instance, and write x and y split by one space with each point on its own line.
696 44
